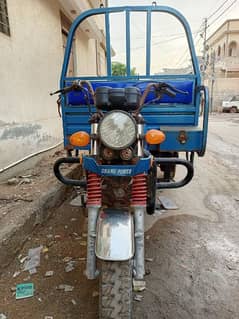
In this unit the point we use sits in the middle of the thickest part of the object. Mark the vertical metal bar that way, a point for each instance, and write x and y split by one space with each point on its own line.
91 272
94 141
128 67
148 43
108 46
139 241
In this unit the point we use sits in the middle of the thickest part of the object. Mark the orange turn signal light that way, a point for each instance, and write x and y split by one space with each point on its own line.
154 137
80 138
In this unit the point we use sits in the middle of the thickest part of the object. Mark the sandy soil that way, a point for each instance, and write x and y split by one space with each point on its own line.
195 249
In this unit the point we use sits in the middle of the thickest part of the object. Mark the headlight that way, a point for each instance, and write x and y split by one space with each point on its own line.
117 130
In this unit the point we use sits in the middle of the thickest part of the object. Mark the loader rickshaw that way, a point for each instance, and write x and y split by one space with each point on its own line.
130 127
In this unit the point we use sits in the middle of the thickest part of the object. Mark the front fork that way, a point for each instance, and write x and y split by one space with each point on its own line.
94 199
138 203
91 271
139 242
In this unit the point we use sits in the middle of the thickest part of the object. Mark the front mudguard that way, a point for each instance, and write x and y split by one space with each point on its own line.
115 235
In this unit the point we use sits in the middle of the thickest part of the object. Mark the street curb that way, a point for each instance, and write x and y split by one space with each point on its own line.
14 235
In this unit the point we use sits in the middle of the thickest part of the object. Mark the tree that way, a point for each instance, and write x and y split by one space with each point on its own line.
119 68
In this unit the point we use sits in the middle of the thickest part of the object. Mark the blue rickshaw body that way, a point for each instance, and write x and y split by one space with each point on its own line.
170 115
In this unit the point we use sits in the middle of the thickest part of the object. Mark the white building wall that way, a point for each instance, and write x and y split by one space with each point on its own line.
223 89
85 51
30 64
226 81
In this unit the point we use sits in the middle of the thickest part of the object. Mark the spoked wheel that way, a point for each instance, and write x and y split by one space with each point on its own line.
115 290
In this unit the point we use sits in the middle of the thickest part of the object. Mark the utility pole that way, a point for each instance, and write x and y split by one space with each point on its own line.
205 48
213 59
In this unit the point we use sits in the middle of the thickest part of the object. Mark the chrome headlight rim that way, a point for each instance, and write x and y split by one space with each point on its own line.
133 138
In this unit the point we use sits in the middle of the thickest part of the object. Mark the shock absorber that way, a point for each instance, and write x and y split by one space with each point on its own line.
138 202
94 197
139 191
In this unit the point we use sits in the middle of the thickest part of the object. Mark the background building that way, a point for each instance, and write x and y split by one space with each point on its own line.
223 59
33 35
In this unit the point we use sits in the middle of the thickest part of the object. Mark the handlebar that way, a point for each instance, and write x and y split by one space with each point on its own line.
160 88
74 87
77 86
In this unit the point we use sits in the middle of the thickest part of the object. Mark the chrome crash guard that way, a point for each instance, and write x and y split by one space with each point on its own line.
116 235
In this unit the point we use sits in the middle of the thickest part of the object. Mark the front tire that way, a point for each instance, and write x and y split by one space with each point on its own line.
115 300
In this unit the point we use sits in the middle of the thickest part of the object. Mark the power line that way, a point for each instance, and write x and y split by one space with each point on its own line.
212 14
160 42
204 49
157 36
155 44
183 59
205 29
218 17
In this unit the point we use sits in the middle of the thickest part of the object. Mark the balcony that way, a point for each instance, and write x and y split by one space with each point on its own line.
228 64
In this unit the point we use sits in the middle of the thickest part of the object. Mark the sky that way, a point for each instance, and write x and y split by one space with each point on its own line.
194 11
166 33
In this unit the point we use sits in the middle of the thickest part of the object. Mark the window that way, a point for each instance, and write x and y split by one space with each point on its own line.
4 22
232 49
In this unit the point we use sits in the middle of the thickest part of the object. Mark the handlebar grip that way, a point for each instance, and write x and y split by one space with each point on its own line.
74 87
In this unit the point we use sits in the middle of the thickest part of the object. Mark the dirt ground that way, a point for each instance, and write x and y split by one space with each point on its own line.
194 273
25 187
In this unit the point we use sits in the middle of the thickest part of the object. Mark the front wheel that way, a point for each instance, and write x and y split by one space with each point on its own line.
115 290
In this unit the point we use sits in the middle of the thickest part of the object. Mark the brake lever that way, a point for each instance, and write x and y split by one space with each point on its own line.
53 93
169 92
177 90
74 87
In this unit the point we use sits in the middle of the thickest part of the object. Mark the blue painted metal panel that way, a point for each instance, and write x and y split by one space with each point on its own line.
108 46
128 57
80 109
74 128
205 121
76 117
148 43
106 11
142 166
155 109
164 119
172 143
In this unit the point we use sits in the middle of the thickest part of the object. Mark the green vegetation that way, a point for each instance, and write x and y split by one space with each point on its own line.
119 68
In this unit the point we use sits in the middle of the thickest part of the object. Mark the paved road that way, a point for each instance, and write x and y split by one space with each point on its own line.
195 273
195 249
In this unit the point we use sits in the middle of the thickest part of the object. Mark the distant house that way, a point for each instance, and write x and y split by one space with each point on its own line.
223 58
33 36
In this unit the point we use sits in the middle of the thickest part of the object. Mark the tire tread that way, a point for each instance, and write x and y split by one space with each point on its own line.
116 290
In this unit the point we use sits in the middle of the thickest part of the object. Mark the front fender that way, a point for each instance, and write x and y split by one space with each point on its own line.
115 235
